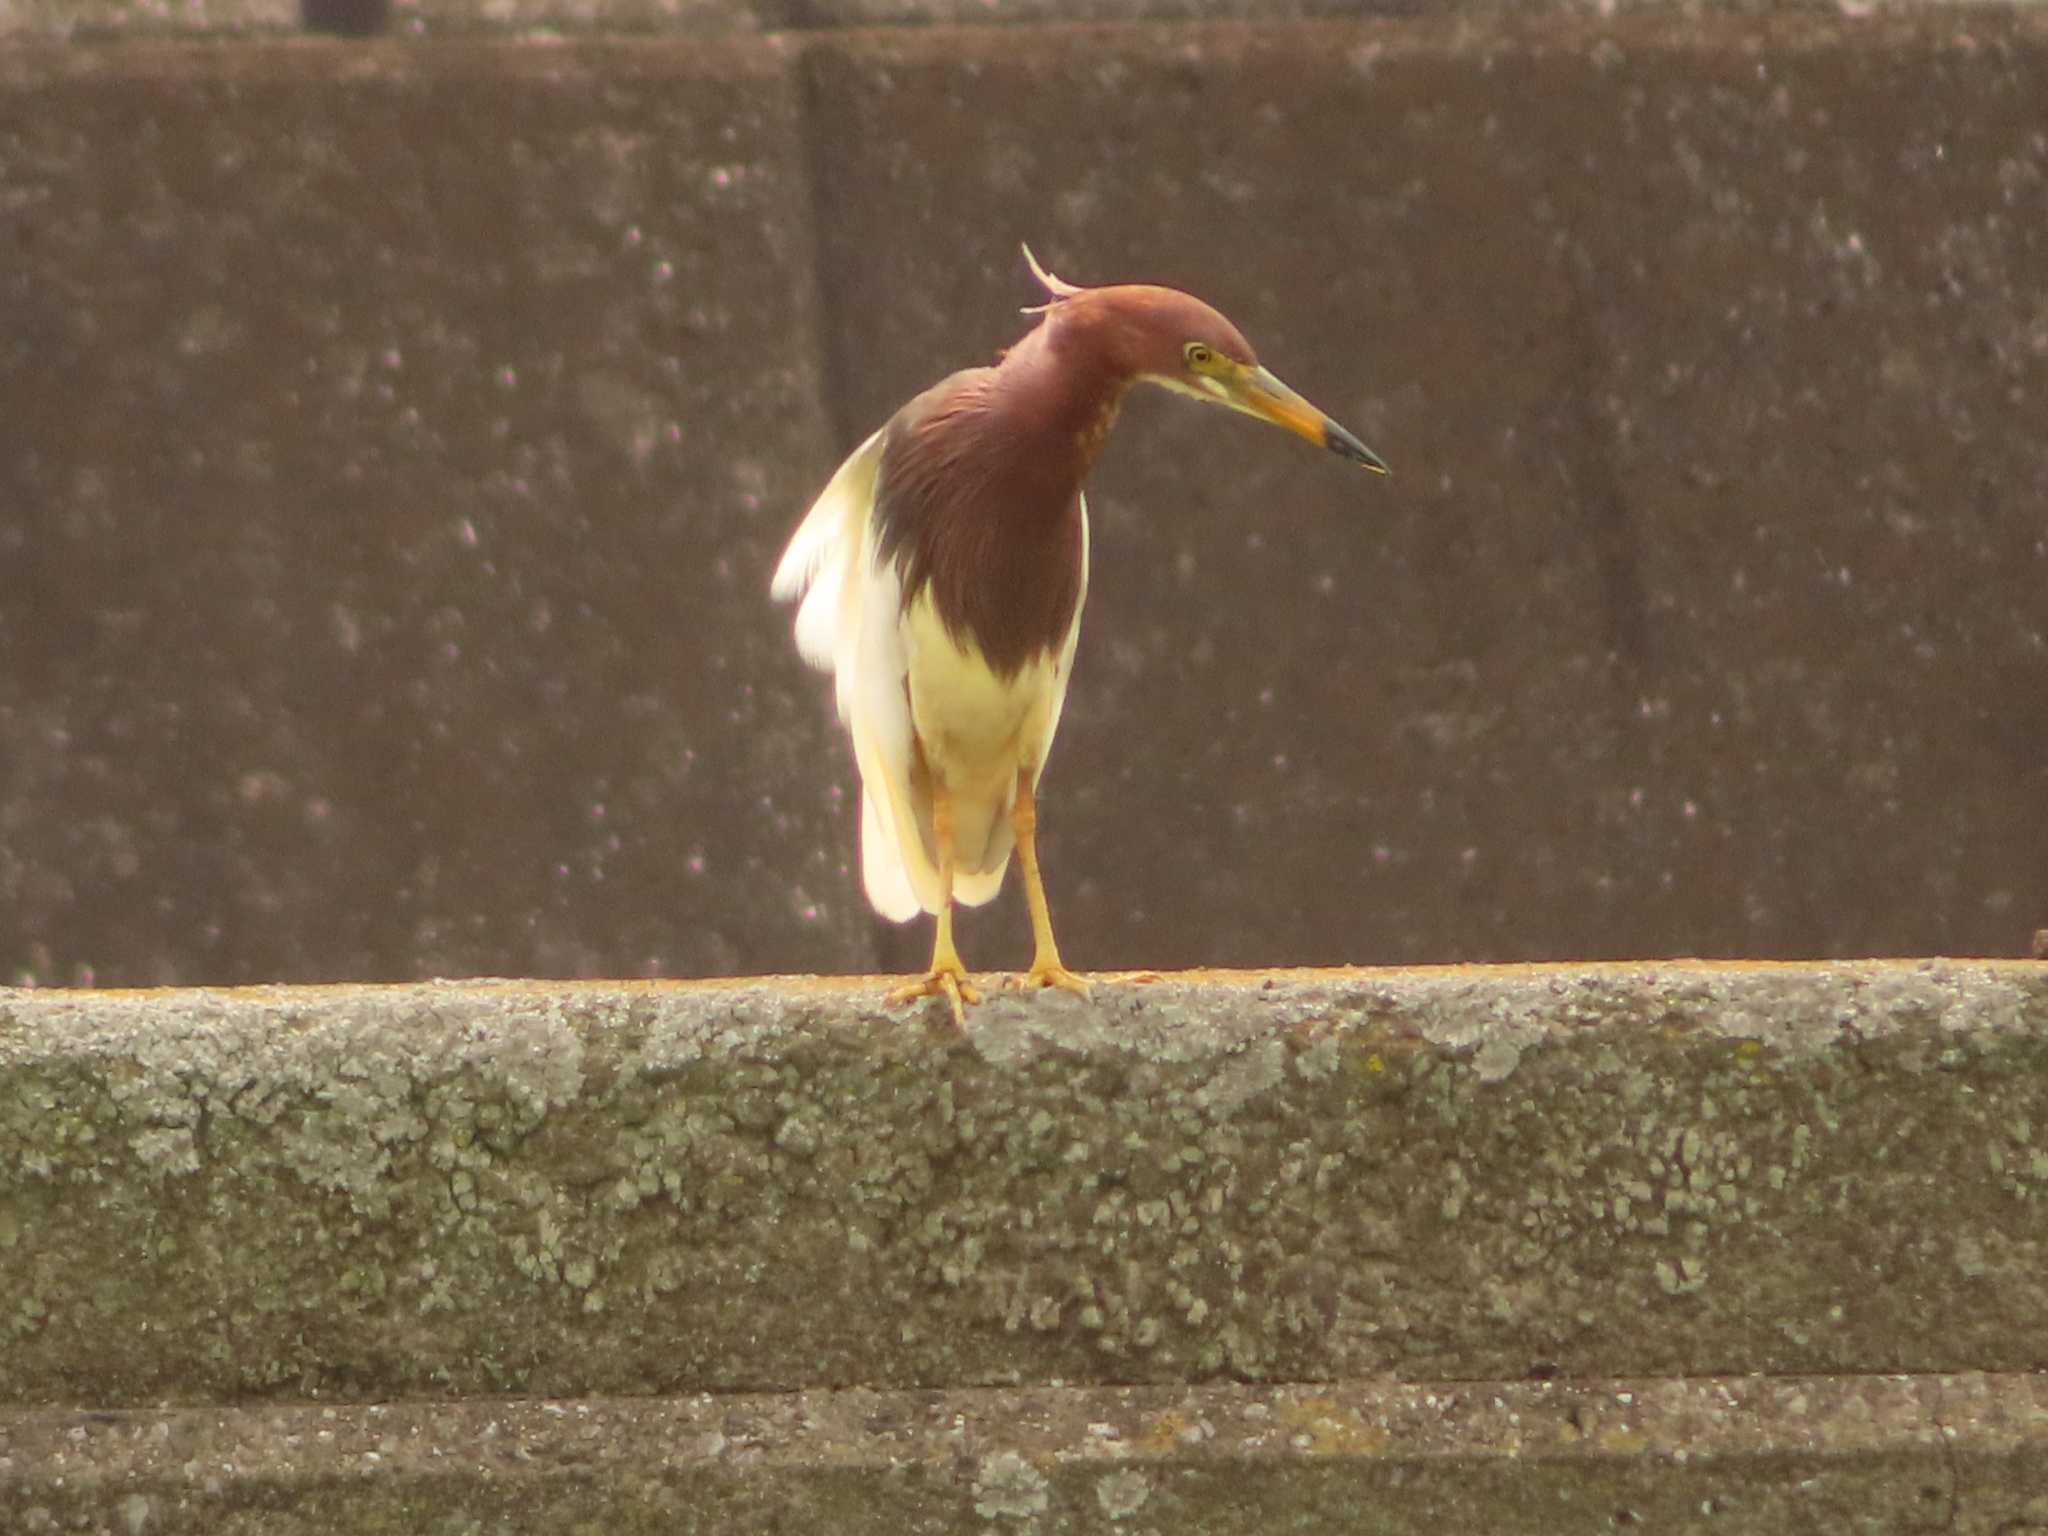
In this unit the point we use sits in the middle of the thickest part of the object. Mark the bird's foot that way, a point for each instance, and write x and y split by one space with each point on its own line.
949 982
1050 973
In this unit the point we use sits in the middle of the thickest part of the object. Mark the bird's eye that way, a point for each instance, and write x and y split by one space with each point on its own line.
1198 356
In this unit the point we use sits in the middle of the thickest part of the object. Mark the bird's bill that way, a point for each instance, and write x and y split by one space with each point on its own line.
1257 393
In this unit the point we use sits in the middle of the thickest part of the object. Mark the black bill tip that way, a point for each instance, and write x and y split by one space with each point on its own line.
1345 446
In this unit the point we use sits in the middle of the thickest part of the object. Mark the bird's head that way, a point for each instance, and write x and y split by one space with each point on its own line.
1166 337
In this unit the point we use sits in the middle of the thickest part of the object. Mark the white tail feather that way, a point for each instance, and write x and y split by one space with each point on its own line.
881 866
978 890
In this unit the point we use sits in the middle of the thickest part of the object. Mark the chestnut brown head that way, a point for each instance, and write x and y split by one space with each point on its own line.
1162 336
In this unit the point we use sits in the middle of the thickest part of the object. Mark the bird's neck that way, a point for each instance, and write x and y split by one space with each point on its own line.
1063 394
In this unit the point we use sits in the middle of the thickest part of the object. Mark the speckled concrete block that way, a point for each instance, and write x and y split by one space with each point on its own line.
1960 1454
1703 613
101 19
394 446
364 1193
96 20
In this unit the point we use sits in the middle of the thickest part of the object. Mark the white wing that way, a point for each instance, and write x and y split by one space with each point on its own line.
821 552
849 624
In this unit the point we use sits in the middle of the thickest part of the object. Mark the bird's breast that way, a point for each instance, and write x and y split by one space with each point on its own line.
978 504
1007 578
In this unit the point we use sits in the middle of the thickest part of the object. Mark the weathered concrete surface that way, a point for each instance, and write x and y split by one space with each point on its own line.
1712 564
93 20
395 440
663 1188
1965 1455
391 455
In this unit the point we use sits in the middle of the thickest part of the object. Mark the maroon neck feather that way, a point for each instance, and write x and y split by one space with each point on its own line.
979 497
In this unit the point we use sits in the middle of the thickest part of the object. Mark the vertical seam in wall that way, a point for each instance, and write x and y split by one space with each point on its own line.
826 298
830 370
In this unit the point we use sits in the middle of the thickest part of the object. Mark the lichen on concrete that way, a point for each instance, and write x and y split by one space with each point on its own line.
631 1188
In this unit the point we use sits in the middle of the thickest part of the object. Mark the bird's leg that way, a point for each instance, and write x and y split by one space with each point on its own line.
1046 969
948 976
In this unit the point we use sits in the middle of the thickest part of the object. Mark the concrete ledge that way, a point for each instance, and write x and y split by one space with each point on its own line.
1957 1454
588 1190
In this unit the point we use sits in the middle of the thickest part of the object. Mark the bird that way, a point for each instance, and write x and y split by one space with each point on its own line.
940 576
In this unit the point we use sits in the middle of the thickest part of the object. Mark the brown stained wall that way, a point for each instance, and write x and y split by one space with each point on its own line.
395 440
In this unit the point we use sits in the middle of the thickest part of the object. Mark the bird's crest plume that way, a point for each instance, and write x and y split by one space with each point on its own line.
1058 287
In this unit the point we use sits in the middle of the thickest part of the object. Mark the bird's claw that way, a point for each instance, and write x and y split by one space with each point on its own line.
1050 975
952 985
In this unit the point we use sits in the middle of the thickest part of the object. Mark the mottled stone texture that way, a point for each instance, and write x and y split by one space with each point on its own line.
665 1188
1705 612
95 20
392 459
1958 1454
395 442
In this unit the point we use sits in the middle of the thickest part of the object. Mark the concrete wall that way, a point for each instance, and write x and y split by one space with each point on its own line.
396 435
1726 1249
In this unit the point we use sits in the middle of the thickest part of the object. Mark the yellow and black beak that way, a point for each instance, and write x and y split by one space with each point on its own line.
1257 393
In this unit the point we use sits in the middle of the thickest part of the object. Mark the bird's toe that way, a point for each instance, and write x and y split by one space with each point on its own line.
1053 975
952 985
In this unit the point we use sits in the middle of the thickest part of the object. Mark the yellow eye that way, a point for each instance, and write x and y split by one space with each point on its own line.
1198 356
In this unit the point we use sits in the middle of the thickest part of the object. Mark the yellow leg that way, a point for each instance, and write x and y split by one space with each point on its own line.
1046 969
948 976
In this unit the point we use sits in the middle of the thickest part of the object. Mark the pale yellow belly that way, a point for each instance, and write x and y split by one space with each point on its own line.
977 730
